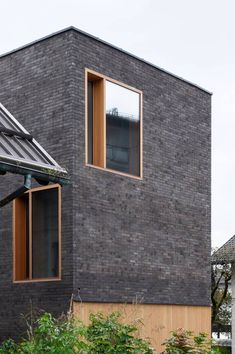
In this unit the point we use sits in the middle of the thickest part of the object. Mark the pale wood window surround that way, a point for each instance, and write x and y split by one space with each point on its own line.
25 232
99 123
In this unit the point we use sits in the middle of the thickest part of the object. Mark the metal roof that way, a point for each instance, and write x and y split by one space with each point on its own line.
226 253
20 153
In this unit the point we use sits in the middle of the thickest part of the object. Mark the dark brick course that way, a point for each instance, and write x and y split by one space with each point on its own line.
121 237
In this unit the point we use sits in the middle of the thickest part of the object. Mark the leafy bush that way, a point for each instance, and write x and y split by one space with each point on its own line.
104 335
8 347
183 341
50 335
222 350
107 335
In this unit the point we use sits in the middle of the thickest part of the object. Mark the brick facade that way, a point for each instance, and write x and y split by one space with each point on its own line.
121 238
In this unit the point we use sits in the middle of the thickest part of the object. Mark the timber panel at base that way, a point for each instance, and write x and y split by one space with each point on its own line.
158 320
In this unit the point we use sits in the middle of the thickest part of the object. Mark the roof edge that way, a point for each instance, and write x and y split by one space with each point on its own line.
108 44
48 176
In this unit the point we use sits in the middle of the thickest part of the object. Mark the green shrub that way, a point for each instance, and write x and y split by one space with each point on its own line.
8 347
104 335
107 335
182 341
50 335
62 336
222 350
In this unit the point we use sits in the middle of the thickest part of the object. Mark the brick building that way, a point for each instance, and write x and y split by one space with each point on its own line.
135 220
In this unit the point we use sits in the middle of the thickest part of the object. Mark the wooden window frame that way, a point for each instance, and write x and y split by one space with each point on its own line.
89 72
33 280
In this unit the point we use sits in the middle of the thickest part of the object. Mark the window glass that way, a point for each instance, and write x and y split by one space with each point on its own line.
36 234
122 129
113 125
45 233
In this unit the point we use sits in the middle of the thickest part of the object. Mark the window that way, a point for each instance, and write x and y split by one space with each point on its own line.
114 125
36 234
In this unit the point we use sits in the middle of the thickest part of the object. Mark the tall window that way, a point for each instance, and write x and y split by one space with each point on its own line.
113 125
37 234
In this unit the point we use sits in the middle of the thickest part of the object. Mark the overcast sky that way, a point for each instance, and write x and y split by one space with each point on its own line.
194 39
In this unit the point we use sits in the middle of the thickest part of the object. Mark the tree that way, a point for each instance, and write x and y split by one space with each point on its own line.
220 294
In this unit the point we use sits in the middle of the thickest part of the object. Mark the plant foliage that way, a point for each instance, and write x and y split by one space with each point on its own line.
108 335
221 298
182 342
104 335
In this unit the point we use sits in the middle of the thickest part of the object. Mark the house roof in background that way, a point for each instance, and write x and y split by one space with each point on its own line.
226 253
108 44
20 153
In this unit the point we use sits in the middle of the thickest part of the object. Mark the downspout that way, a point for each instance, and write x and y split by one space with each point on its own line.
19 192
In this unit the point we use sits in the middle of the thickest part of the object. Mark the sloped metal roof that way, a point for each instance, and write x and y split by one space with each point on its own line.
226 253
21 153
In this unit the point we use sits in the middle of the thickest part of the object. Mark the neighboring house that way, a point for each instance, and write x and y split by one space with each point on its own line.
134 224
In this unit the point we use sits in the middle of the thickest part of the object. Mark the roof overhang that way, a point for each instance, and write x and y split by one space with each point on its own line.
21 154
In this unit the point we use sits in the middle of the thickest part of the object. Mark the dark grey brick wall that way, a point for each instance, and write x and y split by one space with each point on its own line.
35 87
150 238
122 237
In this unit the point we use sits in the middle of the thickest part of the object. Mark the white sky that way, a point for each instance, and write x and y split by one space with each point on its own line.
126 101
194 39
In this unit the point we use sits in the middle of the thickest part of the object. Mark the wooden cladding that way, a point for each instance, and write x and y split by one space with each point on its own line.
158 320
20 239
113 125
98 123
37 235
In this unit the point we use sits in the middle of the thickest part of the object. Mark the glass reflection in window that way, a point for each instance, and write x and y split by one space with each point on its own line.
122 129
